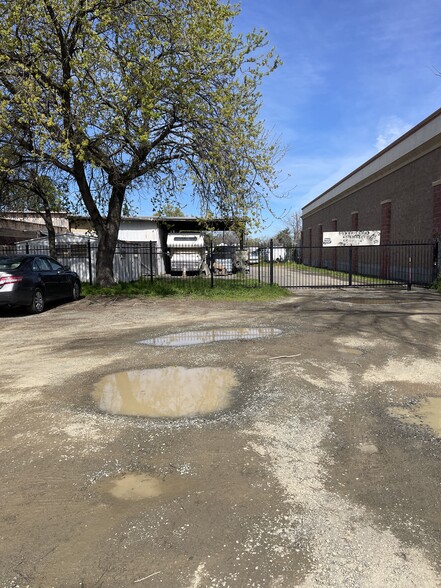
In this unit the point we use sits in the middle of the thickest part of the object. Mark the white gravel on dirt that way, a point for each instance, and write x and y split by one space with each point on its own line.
355 342
416 371
346 546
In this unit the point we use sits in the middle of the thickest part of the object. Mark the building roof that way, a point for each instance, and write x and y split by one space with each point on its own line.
421 139
66 237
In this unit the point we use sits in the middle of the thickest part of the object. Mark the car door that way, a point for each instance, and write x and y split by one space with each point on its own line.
46 276
63 282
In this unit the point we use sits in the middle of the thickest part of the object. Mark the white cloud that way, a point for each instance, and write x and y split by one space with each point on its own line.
390 129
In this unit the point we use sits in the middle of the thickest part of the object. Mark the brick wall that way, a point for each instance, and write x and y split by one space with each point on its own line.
437 210
320 240
354 221
386 222
354 227
415 203
334 223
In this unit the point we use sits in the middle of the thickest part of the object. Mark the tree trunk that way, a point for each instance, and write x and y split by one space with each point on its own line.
51 238
108 238
106 229
47 217
104 259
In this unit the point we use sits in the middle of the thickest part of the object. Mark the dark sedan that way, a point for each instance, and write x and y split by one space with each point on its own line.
34 280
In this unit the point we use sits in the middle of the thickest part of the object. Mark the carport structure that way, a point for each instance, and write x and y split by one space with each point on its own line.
155 228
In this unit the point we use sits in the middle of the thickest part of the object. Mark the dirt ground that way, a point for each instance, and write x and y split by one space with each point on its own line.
323 471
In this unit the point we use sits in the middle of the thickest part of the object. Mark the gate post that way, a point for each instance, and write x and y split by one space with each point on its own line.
436 260
350 265
271 263
151 260
211 265
258 265
89 256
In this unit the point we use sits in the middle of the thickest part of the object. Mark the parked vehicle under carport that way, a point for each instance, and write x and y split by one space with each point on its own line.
228 259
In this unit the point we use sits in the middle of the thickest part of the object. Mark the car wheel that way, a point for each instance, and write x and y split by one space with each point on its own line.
76 289
37 304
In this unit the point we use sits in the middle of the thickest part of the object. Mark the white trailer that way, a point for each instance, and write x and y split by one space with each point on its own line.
279 253
187 253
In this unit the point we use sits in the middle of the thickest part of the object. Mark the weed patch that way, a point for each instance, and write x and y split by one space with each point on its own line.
223 289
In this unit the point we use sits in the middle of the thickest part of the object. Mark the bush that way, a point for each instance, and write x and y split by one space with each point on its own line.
437 284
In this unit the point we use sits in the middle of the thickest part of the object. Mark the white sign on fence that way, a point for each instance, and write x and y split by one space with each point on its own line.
348 238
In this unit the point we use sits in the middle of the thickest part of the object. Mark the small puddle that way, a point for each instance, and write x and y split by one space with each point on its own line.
424 412
136 486
171 392
210 336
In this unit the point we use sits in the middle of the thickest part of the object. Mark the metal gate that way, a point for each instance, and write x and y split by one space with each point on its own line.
396 264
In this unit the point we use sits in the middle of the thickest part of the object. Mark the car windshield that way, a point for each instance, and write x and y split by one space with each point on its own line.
10 263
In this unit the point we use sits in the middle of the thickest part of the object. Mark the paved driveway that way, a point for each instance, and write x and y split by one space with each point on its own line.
322 471
288 277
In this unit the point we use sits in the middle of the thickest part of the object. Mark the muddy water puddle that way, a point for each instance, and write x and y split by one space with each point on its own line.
210 336
134 487
170 392
425 412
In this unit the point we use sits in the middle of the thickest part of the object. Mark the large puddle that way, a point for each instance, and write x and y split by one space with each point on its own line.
171 392
424 412
210 336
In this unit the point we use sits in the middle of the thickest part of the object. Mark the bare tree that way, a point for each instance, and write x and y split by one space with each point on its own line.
293 223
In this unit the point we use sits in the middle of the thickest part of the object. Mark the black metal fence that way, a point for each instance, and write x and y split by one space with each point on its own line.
398 264
376 265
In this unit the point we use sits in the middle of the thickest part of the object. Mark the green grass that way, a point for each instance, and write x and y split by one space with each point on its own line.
195 288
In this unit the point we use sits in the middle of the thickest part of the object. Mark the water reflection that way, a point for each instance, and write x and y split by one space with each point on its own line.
210 336
166 392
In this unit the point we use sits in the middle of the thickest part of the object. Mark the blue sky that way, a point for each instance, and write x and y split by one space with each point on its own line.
356 75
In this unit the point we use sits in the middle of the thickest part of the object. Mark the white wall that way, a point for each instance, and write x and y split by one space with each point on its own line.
138 230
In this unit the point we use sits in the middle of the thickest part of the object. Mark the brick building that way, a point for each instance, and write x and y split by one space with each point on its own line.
397 191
